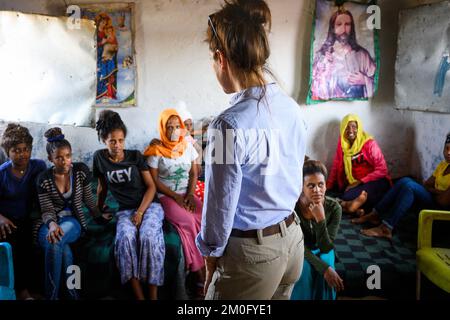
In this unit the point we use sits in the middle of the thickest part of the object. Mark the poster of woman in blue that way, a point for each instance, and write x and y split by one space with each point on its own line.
115 55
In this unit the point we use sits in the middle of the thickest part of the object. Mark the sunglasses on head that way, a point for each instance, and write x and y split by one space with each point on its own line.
214 30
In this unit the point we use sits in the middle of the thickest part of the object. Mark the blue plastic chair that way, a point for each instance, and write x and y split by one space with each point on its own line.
6 272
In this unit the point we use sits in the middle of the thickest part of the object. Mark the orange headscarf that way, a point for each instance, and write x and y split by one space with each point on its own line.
168 149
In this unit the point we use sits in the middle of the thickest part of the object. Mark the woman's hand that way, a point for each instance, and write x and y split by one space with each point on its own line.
210 266
6 227
304 207
179 199
333 279
317 211
137 218
102 216
55 233
189 203
156 142
107 216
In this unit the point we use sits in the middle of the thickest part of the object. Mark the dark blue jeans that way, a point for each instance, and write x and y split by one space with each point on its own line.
58 256
375 192
396 203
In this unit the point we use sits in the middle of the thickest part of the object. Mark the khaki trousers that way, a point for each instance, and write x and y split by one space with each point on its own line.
260 268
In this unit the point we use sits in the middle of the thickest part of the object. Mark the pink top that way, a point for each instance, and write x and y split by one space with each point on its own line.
367 165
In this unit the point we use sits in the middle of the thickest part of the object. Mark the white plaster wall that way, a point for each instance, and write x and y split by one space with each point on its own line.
173 64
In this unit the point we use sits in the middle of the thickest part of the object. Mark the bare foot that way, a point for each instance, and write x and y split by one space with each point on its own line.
344 205
370 218
355 204
382 231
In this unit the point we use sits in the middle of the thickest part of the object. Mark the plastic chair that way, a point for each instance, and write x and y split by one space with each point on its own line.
434 263
6 272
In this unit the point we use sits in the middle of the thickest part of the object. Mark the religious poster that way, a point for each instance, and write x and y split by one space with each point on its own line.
116 65
344 53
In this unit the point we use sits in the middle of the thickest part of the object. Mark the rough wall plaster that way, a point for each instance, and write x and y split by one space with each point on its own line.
417 65
429 129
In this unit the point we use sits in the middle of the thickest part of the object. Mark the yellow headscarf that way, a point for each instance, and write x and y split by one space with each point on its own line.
361 138
168 149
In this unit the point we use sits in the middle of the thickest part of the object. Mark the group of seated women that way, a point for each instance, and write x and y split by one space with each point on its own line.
147 190
161 182
360 177
360 172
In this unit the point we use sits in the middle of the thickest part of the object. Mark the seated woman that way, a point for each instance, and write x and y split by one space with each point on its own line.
186 117
433 194
18 198
359 168
62 190
175 174
139 245
319 218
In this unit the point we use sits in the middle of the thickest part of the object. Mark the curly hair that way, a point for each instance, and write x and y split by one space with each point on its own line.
55 140
15 134
108 121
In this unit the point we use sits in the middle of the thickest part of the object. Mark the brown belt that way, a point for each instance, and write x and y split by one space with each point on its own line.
268 231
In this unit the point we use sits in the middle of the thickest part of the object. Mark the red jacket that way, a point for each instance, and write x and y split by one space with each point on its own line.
368 165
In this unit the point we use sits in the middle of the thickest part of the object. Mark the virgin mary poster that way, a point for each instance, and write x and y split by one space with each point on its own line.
116 69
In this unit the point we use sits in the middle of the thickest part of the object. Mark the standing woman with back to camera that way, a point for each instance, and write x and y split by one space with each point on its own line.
250 235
